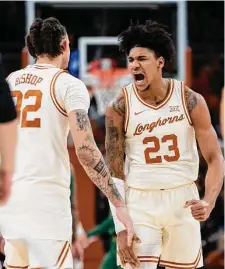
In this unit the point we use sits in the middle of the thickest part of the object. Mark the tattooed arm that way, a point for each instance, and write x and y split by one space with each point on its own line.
90 157
115 150
208 143
115 115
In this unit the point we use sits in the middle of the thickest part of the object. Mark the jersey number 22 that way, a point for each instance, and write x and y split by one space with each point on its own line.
37 94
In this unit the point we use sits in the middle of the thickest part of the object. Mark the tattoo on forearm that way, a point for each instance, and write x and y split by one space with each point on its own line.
191 99
87 155
90 138
107 186
90 157
99 174
115 191
101 168
82 120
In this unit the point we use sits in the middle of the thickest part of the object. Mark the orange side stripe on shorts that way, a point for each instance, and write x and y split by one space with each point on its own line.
63 260
62 251
149 261
154 257
13 266
148 258
181 265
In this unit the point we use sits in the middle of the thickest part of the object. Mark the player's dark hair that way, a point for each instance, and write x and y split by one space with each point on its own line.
151 35
45 37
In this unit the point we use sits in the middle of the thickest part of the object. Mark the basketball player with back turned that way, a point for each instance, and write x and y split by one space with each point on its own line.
154 123
36 222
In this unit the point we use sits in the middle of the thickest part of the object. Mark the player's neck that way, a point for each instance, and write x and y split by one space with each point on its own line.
157 90
46 60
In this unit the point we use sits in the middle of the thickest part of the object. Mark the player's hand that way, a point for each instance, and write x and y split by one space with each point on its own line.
5 186
200 209
77 251
126 252
124 217
82 240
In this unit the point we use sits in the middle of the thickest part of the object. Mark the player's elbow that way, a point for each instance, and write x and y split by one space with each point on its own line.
83 156
87 155
215 157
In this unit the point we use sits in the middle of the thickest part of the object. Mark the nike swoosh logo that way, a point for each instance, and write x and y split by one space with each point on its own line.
137 113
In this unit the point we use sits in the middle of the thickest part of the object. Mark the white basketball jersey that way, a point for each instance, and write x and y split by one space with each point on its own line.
160 149
40 202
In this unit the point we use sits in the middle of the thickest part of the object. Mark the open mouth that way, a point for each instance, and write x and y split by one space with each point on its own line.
139 77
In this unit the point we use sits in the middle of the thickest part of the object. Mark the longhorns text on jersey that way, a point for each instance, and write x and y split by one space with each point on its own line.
161 136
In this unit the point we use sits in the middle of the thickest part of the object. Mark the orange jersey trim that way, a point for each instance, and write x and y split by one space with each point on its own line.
127 109
36 66
155 107
184 102
52 92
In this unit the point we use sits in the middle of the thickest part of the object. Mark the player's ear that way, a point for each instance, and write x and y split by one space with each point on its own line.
161 62
63 44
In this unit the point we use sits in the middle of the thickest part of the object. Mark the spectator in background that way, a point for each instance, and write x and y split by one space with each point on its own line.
8 135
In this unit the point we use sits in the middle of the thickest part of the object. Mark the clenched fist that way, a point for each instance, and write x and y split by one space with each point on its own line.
200 209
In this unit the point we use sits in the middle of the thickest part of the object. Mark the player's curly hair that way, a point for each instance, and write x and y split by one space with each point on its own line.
45 37
151 35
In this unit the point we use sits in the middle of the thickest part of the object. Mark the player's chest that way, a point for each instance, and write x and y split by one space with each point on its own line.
148 121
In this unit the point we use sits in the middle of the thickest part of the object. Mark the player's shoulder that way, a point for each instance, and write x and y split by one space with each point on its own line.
15 74
129 87
188 92
118 105
67 79
193 99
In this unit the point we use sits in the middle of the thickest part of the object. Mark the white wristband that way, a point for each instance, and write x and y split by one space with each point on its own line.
120 184
79 229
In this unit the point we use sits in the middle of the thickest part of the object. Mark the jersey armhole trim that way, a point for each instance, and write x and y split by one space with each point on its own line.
127 109
184 102
52 93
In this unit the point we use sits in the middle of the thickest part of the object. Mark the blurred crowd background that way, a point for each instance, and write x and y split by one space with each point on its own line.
106 67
